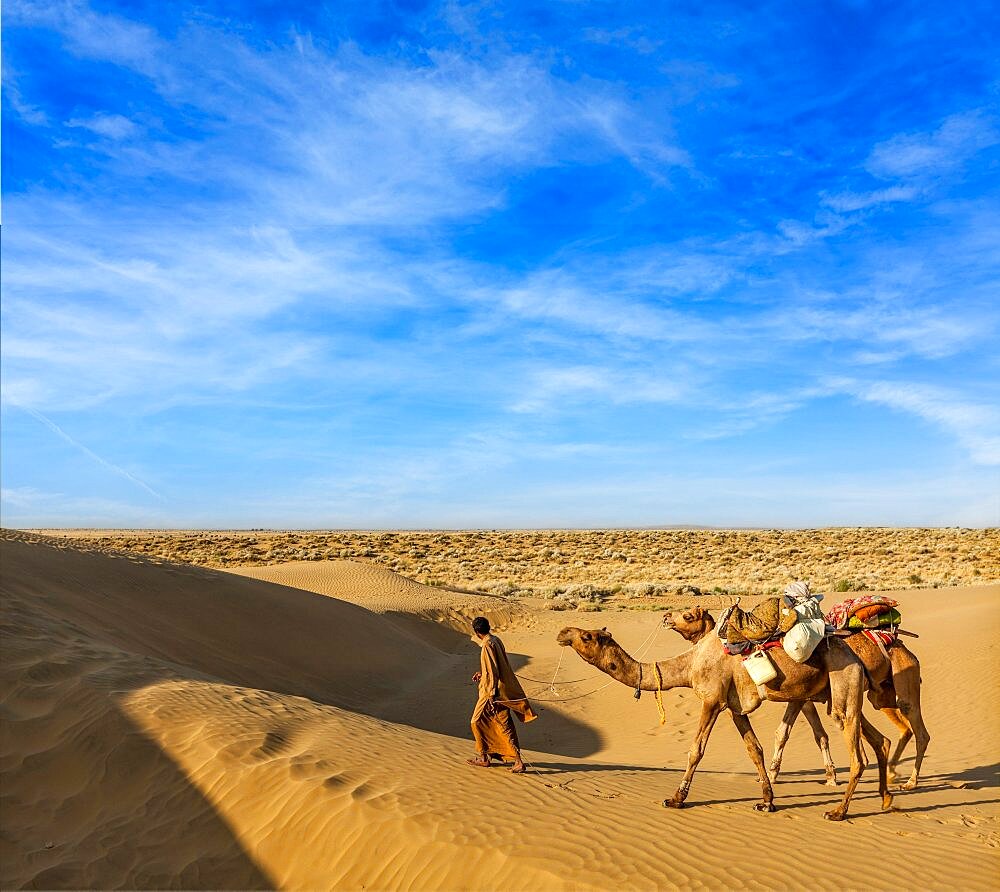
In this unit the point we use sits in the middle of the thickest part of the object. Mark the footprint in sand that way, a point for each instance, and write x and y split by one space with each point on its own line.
306 767
276 741
373 797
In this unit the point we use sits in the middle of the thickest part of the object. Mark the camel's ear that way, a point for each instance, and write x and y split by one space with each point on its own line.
603 637
698 612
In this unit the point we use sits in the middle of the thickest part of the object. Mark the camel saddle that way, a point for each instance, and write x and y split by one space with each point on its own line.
767 620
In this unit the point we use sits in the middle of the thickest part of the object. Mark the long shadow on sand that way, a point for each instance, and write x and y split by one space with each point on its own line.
92 801
251 633
158 836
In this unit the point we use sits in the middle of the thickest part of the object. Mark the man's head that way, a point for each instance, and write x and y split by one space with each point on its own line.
481 626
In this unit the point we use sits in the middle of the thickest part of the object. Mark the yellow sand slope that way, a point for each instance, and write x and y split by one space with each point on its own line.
165 726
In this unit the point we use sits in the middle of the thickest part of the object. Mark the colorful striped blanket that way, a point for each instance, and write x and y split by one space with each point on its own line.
866 612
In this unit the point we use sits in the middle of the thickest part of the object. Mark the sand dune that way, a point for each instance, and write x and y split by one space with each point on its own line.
167 726
406 603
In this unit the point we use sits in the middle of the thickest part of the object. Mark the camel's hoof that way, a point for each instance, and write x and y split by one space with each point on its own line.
830 782
909 785
836 815
673 803
764 806
887 802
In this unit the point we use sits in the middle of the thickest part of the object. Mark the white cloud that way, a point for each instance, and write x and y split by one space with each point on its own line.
110 126
629 36
975 425
318 269
844 202
910 155
370 140
549 389
929 331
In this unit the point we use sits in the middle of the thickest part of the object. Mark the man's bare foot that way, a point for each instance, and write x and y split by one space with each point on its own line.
479 762
518 768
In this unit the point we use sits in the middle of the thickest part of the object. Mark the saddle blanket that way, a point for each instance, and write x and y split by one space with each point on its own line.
869 606
878 635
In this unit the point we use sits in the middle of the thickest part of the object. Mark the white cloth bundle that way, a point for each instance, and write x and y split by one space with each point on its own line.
801 640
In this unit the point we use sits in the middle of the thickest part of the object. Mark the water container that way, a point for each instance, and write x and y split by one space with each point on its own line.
759 667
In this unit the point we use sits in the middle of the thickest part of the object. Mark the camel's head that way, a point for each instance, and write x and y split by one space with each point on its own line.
691 624
587 643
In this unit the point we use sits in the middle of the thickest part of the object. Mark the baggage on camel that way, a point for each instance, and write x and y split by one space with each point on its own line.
801 640
761 623
796 618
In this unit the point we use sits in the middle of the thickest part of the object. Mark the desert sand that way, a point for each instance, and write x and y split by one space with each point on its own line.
304 725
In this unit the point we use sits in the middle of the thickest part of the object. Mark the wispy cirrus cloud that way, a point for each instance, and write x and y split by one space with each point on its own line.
859 201
955 141
402 258
399 141
110 126
976 425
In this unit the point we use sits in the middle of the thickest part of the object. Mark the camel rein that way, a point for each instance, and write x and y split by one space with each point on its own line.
645 646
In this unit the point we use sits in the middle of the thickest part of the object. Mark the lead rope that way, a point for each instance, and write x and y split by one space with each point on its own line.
659 694
552 684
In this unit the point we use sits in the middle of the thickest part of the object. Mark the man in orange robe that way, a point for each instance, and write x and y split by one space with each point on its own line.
500 694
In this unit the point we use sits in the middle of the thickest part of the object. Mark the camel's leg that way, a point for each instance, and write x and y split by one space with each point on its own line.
905 733
915 721
880 743
757 757
906 679
781 734
709 713
822 741
846 692
923 738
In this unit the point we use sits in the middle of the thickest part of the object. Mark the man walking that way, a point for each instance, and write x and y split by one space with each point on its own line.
500 694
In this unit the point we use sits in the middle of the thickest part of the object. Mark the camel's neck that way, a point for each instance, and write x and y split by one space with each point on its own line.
707 625
674 673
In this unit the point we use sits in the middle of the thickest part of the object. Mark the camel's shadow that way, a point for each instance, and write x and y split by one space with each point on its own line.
979 777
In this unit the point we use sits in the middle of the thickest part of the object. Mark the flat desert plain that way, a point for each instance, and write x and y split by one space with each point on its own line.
303 724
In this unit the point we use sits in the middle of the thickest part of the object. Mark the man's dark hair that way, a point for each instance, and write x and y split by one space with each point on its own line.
481 625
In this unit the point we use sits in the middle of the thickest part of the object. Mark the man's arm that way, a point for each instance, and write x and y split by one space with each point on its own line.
490 670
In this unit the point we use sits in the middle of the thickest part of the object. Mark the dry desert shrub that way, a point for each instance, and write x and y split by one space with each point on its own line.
590 567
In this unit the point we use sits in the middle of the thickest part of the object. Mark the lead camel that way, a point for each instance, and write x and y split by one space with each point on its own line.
832 674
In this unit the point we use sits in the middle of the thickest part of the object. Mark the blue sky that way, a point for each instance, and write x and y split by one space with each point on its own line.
473 265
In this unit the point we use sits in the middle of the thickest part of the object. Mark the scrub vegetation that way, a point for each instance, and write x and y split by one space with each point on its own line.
579 567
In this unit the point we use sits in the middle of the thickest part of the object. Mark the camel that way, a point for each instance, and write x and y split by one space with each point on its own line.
902 707
903 710
832 674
